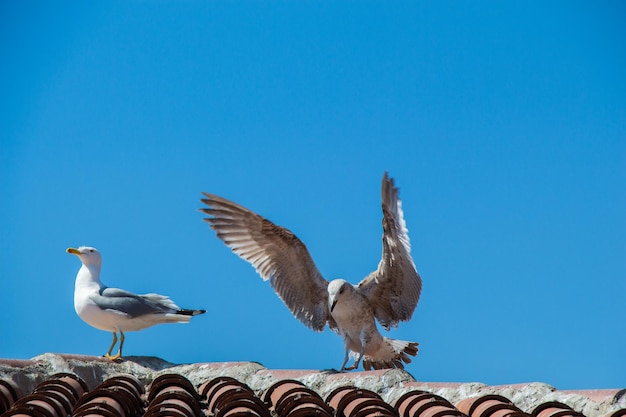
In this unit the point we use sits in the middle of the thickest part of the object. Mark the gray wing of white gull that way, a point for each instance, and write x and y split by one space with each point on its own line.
277 255
133 305
393 290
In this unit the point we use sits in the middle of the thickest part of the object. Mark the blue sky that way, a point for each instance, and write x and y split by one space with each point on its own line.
503 123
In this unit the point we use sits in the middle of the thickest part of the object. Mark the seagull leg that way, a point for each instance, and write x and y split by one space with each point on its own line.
364 340
121 343
345 360
118 355
108 354
357 361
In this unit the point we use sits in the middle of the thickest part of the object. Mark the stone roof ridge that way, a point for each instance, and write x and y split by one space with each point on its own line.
95 369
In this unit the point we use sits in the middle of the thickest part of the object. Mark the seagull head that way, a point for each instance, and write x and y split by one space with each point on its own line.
338 289
88 256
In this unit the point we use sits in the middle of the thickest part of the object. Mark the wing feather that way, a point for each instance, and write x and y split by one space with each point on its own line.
133 305
394 288
276 254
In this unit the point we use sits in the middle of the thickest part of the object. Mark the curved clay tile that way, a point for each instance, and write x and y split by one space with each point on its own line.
278 390
339 396
357 402
487 406
118 396
168 381
368 406
172 395
9 394
51 398
254 407
440 410
490 408
618 413
208 388
72 381
98 404
37 405
555 409
291 398
415 404
228 396
69 384
128 381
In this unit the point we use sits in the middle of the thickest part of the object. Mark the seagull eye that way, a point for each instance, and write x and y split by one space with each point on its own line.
91 250
341 290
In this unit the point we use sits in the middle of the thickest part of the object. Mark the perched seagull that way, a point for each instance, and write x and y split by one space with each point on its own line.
389 294
116 310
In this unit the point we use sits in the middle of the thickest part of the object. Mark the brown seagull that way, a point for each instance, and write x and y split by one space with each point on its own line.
389 294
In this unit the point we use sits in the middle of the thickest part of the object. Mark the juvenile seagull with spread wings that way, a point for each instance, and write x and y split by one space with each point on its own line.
116 310
389 294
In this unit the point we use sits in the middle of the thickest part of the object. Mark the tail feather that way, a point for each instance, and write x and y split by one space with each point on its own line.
394 354
186 312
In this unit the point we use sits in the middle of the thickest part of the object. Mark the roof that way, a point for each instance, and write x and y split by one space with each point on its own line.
56 385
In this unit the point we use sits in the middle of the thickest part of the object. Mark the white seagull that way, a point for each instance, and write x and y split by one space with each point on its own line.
116 310
389 294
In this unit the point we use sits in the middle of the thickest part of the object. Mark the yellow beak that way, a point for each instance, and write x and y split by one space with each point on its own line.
73 251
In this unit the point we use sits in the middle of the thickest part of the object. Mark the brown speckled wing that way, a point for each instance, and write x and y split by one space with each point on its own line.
394 288
277 255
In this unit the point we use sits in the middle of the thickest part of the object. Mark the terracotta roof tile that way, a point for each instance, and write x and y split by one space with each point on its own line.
82 386
417 402
228 396
172 395
352 402
292 398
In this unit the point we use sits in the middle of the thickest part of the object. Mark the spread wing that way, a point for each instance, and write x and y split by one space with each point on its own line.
131 304
394 288
277 255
